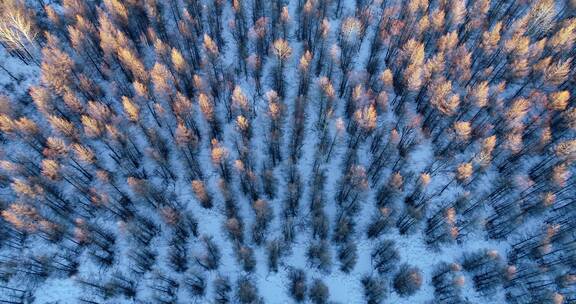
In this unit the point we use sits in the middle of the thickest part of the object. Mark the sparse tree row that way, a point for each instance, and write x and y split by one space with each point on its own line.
191 149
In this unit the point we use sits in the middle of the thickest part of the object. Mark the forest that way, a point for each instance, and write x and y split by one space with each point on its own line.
287 151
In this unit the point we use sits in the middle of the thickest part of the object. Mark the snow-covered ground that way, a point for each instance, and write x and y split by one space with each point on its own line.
440 196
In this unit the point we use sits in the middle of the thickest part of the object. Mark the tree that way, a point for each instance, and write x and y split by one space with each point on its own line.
298 285
274 250
347 254
247 292
18 31
408 280
210 260
282 50
318 292
246 258
374 289
263 216
385 257
351 33
319 256
222 290
201 193
275 112
197 283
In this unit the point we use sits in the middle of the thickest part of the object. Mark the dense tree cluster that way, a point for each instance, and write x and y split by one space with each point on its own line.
169 150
